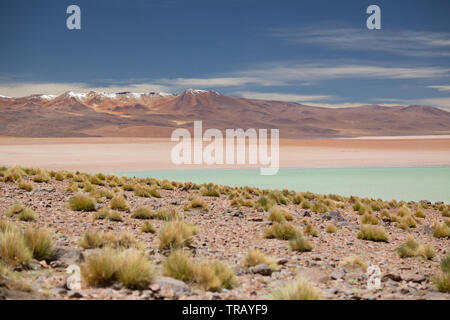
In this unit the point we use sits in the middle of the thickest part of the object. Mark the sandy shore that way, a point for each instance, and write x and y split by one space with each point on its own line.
133 154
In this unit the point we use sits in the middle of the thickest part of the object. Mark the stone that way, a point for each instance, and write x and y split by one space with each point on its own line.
262 269
178 287
333 216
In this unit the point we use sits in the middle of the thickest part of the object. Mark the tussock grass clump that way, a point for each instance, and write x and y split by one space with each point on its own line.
81 202
442 281
420 213
135 270
166 185
372 233
146 191
279 215
176 234
178 265
13 248
27 186
319 207
213 276
119 203
100 193
385 216
368 219
95 239
115 216
281 230
406 221
305 204
412 248
265 203
73 187
255 257
40 243
354 262
14 209
331 228
301 244
41 177
310 229
27 215
147 227
210 190
100 267
441 230
299 290
196 203
101 214
167 214
403 211
142 213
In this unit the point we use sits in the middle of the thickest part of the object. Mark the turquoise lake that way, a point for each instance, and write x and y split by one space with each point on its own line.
430 183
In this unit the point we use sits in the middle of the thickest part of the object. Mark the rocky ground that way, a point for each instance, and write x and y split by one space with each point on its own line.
227 233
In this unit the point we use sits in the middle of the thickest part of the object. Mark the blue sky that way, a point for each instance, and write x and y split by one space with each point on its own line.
317 52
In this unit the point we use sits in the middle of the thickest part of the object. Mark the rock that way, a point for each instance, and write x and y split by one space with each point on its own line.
282 261
179 288
333 215
307 213
337 274
33 264
391 276
262 269
68 256
75 295
256 219
416 278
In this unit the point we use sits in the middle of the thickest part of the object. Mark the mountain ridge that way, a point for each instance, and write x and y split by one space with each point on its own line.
154 114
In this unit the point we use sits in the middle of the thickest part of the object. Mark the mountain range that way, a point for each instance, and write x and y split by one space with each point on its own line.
127 114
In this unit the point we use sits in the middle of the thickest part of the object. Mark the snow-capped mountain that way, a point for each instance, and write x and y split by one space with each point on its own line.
158 114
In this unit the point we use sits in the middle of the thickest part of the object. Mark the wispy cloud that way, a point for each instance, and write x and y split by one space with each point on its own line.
282 96
408 43
443 102
294 72
440 88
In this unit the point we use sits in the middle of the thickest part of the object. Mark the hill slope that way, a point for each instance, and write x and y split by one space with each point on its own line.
157 115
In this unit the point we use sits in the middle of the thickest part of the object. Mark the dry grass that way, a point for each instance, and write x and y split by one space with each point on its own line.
27 186
119 203
301 244
175 234
441 230
142 213
13 247
101 214
368 219
81 202
372 233
27 215
178 265
331 228
354 262
255 257
281 230
277 214
14 209
147 227
115 216
196 203
40 243
95 239
299 290
135 271
100 267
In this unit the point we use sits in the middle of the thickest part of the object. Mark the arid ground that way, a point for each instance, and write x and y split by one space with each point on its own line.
107 154
327 240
